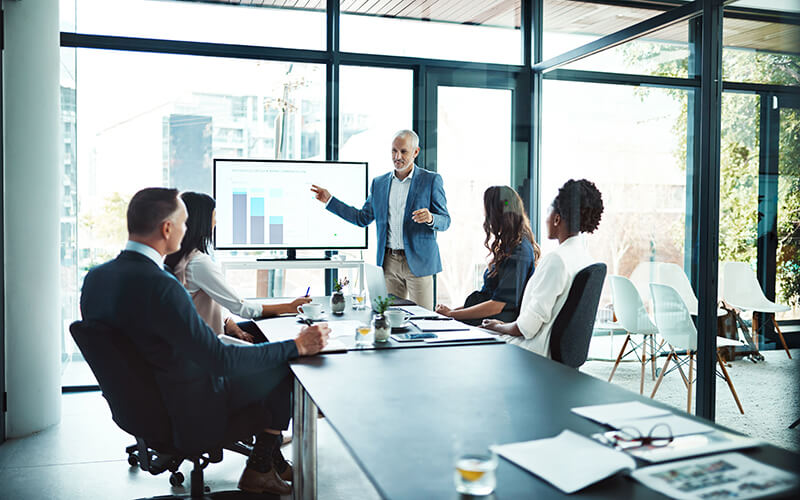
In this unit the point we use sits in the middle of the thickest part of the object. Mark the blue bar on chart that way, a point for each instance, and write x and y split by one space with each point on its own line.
257 220
239 216
276 229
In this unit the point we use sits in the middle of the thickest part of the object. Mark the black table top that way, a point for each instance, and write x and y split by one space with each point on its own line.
399 411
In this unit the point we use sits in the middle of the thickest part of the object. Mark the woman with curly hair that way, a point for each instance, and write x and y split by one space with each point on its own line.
577 209
513 252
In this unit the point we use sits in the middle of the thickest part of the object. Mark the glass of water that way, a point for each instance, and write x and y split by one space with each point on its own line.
474 472
365 337
359 299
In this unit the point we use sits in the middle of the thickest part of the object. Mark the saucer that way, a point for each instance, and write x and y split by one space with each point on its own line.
303 317
402 327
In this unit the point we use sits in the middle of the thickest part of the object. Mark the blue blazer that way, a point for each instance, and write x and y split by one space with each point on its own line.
419 240
136 298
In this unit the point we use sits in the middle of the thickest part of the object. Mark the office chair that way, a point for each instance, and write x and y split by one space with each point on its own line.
129 386
572 328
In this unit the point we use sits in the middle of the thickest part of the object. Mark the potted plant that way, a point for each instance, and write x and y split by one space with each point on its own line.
379 323
337 299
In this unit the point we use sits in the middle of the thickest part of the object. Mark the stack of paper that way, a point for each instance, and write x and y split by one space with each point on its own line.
569 461
287 328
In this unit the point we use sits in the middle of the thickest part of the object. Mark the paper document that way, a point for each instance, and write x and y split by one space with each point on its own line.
227 339
453 336
418 312
730 475
693 445
678 426
629 410
569 461
287 328
432 325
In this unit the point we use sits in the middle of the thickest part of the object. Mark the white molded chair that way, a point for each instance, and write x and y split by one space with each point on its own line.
632 316
741 290
673 275
676 327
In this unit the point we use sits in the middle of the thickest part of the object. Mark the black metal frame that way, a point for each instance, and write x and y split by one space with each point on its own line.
3 397
705 20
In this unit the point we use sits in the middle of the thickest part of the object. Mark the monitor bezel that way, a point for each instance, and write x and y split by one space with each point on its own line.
290 247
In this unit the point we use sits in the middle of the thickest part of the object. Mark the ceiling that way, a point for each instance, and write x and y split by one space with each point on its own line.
564 16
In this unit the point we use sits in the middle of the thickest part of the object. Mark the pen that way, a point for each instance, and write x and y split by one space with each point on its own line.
307 291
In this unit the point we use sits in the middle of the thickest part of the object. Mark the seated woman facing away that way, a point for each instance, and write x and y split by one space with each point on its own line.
513 251
577 209
203 278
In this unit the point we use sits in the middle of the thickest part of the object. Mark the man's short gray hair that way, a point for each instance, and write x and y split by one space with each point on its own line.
408 133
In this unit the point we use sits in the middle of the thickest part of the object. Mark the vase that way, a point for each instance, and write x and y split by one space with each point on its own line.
381 327
337 303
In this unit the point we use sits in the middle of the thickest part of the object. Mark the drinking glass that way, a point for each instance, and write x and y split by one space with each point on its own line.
359 300
474 472
365 337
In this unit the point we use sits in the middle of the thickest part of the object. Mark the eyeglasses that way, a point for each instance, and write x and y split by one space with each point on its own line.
630 437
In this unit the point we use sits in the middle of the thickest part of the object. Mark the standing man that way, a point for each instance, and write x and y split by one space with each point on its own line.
408 206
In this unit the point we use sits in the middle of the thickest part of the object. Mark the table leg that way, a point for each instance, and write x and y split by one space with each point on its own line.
305 445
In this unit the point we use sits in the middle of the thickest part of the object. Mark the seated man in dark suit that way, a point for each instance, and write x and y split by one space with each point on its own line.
202 382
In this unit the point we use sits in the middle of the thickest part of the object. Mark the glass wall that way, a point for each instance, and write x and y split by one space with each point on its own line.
475 30
631 142
761 52
268 24
787 289
374 103
473 153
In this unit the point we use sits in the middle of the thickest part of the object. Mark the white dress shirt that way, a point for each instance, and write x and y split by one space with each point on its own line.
546 293
398 195
202 273
146 250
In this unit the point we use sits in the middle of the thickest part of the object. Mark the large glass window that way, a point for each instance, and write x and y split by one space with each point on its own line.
469 30
760 52
374 103
631 142
159 120
248 23
787 290
473 153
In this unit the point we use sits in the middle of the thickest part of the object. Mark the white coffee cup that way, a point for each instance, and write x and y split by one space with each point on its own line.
396 317
311 310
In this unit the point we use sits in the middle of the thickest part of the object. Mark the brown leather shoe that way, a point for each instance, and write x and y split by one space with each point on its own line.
288 474
263 482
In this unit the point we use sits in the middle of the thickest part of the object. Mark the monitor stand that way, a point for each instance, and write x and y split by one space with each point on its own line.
291 254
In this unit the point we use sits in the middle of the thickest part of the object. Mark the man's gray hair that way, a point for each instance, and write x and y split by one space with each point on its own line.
408 133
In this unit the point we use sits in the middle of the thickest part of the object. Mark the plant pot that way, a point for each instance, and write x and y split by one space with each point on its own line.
337 303
381 327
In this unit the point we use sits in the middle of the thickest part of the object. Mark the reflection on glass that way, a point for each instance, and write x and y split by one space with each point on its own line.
787 290
219 22
632 144
468 30
374 103
473 153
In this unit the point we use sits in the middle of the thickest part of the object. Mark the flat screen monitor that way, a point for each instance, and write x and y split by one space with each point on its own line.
268 204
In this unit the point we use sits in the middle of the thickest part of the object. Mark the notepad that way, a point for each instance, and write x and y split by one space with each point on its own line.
629 410
287 328
431 325
460 335
569 461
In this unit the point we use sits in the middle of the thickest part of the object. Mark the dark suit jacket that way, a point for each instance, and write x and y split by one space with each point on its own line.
419 240
137 299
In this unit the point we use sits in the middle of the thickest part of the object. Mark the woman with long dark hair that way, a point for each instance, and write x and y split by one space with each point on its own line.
513 253
203 278
577 209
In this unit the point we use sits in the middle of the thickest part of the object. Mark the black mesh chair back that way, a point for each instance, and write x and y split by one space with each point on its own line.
126 380
572 329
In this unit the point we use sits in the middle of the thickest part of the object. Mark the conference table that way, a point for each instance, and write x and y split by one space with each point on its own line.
399 412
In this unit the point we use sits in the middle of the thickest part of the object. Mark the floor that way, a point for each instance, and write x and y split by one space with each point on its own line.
83 456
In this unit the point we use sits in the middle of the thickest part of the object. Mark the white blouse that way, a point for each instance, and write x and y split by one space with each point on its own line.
202 274
546 293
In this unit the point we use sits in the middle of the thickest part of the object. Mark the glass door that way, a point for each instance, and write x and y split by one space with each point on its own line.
468 140
787 279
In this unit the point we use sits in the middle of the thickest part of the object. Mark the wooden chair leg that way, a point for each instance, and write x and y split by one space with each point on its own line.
780 336
680 369
661 375
730 383
644 364
689 388
621 352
